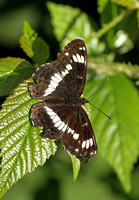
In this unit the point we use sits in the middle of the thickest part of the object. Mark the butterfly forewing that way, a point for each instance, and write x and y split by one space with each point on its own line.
59 86
65 77
74 56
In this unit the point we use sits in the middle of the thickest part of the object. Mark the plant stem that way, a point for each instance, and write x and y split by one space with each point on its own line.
110 25
132 71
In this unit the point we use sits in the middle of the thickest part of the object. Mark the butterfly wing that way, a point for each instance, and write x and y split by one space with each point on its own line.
70 124
63 78
55 84
79 138
75 54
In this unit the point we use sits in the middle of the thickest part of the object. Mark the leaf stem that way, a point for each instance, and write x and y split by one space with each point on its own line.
132 71
110 25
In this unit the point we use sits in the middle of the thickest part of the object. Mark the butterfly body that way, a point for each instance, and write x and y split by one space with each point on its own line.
59 86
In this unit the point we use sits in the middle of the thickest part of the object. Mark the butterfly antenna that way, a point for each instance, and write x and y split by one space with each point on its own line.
100 111
95 106
97 89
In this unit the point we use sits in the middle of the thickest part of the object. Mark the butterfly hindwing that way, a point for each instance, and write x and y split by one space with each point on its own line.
70 124
40 117
79 137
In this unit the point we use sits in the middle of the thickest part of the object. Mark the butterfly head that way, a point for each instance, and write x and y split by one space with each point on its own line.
84 101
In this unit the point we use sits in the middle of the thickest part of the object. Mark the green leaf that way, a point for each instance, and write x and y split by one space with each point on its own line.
22 147
117 139
12 72
126 3
35 47
76 166
69 26
107 10
131 71
138 17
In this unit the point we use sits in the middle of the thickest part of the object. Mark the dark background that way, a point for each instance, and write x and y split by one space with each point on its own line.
45 182
38 13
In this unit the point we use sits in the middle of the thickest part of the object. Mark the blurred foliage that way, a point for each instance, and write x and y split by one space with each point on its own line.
111 37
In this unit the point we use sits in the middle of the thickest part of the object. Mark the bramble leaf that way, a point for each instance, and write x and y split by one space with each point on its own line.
69 26
76 166
34 46
117 139
22 147
12 72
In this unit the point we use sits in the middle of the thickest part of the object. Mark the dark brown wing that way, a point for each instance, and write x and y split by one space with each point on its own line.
40 116
71 124
79 137
53 118
63 78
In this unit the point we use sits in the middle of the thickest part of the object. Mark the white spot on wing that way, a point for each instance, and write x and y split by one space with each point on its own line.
58 123
82 48
83 144
95 152
87 144
66 53
50 86
68 67
79 77
74 58
69 130
52 116
82 59
58 76
64 73
55 79
48 109
56 119
76 136
91 142
78 58
85 124
77 150
54 84
72 131
61 126
48 91
64 128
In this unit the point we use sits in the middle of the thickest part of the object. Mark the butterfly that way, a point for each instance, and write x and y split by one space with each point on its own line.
58 86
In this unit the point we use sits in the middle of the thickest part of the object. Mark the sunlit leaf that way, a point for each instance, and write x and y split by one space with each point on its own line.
69 26
117 139
76 167
22 147
125 2
34 46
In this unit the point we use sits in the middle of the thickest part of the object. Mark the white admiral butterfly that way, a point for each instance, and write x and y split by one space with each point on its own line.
59 86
